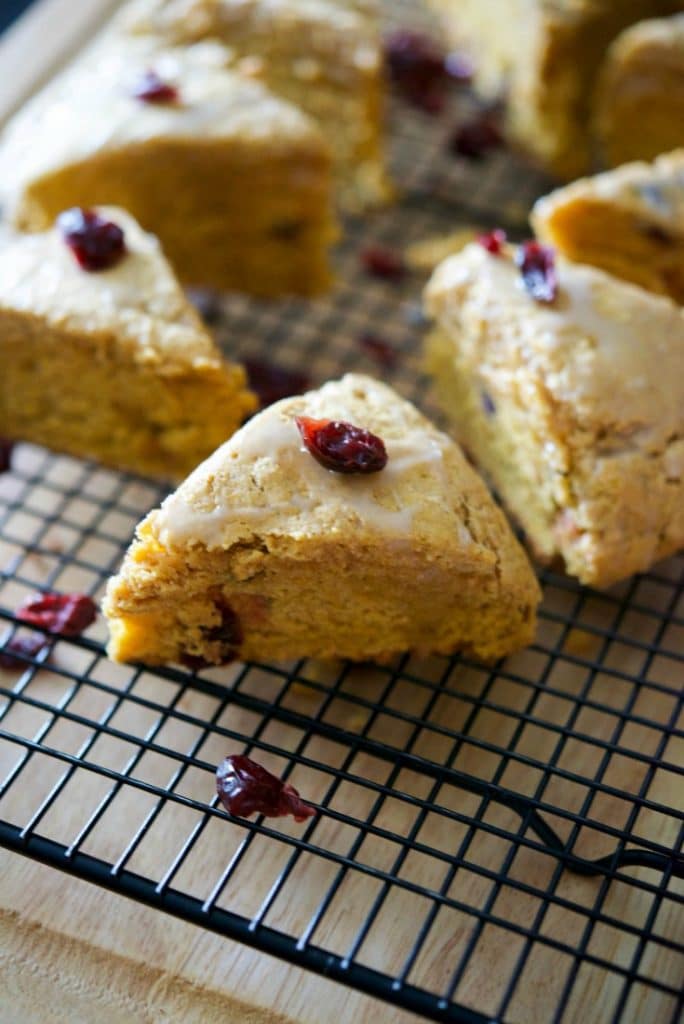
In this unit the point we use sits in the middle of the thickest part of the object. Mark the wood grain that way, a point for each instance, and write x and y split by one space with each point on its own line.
88 954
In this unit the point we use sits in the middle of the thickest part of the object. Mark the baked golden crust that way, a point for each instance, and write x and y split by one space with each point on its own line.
629 221
545 55
319 564
640 96
575 410
320 55
113 365
233 180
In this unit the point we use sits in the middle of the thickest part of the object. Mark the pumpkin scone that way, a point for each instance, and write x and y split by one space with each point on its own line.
544 56
320 55
567 386
629 221
340 523
235 181
640 97
102 355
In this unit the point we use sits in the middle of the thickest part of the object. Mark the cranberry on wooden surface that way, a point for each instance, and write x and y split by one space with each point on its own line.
342 447
97 244
271 382
475 138
66 614
6 449
383 262
151 88
245 787
416 65
537 265
493 241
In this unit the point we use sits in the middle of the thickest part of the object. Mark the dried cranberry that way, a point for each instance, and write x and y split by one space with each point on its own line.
96 243
66 614
658 234
382 262
195 662
476 137
537 265
228 633
6 449
245 788
342 447
493 241
151 88
20 649
380 350
417 66
271 382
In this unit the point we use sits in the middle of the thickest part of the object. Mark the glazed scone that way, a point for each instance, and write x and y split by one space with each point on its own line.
111 364
629 221
640 98
234 181
264 553
545 56
574 409
318 54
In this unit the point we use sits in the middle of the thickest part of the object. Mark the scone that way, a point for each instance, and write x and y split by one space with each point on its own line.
105 358
574 407
265 552
629 221
640 98
545 56
234 181
318 54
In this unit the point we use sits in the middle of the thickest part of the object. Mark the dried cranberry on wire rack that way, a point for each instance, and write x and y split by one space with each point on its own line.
245 787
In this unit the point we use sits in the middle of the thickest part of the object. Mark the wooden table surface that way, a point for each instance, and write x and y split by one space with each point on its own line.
71 952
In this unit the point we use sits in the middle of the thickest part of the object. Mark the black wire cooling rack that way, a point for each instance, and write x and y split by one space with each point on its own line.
493 844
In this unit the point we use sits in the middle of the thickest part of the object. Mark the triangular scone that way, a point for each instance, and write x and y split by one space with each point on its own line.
639 100
544 56
629 221
114 364
263 553
321 55
574 408
233 180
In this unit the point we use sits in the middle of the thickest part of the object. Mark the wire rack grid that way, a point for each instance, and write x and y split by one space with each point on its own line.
527 815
